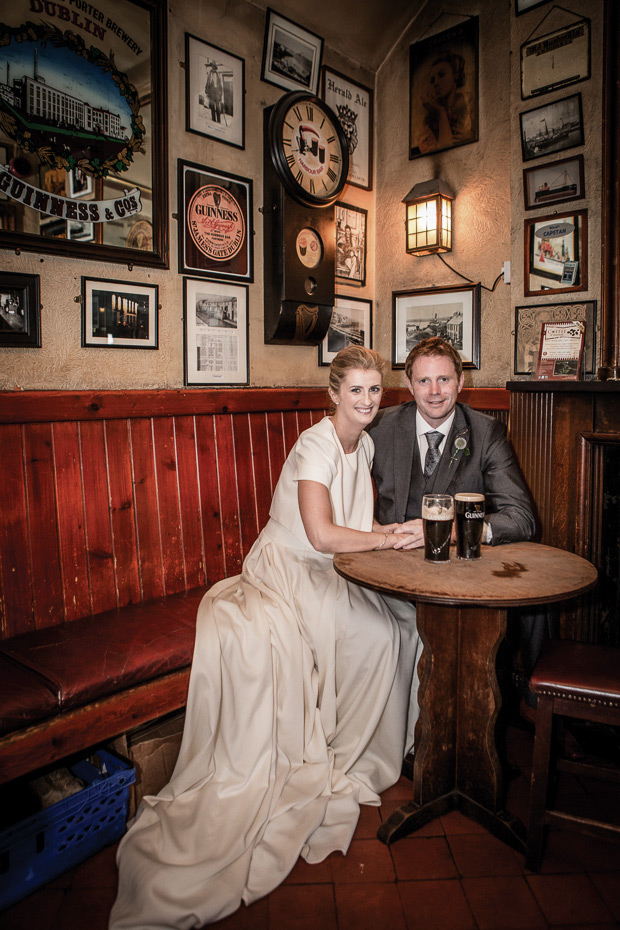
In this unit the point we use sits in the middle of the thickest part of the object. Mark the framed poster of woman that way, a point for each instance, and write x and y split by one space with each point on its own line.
443 90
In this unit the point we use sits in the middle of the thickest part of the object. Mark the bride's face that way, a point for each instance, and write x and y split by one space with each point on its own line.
359 397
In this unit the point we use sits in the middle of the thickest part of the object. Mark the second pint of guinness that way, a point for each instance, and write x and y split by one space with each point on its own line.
437 519
469 512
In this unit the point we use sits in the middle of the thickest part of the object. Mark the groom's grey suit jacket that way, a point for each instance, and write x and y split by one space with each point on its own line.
490 468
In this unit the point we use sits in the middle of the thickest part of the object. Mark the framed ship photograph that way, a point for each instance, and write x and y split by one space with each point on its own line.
552 127
555 182
291 54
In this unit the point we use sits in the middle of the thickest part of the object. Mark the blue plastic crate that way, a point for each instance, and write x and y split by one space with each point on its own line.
56 839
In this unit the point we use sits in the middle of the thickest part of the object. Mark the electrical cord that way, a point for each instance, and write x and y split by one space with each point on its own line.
465 278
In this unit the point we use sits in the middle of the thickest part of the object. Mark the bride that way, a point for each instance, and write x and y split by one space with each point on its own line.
302 700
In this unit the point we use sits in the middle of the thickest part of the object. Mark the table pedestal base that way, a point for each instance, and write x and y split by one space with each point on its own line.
456 765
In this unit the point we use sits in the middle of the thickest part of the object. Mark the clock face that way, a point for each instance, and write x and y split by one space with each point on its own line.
309 149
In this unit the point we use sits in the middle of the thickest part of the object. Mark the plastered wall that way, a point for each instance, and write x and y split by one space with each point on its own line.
486 176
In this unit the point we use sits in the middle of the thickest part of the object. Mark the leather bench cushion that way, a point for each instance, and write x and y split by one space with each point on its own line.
25 697
581 670
89 658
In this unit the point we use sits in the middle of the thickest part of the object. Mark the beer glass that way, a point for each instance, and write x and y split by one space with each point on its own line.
469 512
437 519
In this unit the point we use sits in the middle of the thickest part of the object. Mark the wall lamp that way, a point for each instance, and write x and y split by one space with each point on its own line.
428 227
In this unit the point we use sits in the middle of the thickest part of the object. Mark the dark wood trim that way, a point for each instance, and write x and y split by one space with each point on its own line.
610 317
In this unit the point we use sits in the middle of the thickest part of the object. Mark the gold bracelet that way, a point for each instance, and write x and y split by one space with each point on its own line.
382 544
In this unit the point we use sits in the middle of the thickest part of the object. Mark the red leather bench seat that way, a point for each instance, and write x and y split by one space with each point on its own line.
71 664
25 697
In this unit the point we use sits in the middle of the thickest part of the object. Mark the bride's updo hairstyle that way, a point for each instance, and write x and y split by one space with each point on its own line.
351 358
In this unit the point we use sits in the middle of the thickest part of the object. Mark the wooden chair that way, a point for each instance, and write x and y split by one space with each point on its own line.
574 680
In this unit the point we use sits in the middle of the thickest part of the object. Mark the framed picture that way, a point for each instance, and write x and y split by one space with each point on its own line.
350 244
443 90
76 229
522 6
291 55
555 182
353 104
450 312
215 332
20 310
528 322
107 74
119 314
556 253
552 127
215 223
556 59
351 325
214 92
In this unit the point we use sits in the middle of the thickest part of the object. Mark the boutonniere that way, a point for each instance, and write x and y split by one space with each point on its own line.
460 445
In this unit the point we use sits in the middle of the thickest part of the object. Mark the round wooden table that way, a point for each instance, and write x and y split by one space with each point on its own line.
461 618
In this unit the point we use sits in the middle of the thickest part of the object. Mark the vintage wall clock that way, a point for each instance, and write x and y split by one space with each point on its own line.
306 162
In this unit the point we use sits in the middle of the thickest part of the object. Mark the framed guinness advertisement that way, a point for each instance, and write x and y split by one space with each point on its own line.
83 125
215 223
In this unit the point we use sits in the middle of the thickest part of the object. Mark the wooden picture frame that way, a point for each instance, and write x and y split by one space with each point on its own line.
450 312
353 105
562 129
20 310
121 135
443 79
351 242
214 92
291 54
215 223
528 321
119 314
556 59
524 6
351 324
556 253
555 182
215 333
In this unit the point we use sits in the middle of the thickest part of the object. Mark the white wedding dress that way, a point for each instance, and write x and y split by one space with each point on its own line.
301 706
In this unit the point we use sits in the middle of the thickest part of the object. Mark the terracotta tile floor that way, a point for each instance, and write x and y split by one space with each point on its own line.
451 875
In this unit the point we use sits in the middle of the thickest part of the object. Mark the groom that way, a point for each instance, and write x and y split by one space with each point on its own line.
435 444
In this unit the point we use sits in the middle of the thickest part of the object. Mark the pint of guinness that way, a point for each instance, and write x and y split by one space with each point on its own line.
437 519
470 512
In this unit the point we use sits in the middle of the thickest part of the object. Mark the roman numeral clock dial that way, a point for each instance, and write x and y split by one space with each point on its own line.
306 162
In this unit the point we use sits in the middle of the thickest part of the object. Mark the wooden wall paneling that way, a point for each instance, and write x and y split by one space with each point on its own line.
572 416
227 476
277 454
43 535
16 598
191 524
102 577
122 511
260 465
146 501
531 436
304 420
210 508
246 487
71 524
166 475
291 431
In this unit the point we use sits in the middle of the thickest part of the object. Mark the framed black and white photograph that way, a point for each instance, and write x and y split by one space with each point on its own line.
291 54
351 223
556 253
528 322
215 223
215 333
119 314
522 6
555 60
555 182
453 313
214 92
552 127
353 105
443 90
351 324
78 230
20 310
79 184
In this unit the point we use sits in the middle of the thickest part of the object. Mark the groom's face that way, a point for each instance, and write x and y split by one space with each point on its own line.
435 387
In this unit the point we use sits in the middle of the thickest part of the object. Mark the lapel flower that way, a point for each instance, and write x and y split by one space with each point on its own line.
460 445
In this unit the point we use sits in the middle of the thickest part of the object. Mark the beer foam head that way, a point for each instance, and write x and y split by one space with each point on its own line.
470 497
434 512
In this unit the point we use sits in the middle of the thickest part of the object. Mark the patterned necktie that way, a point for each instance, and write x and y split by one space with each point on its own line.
432 456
